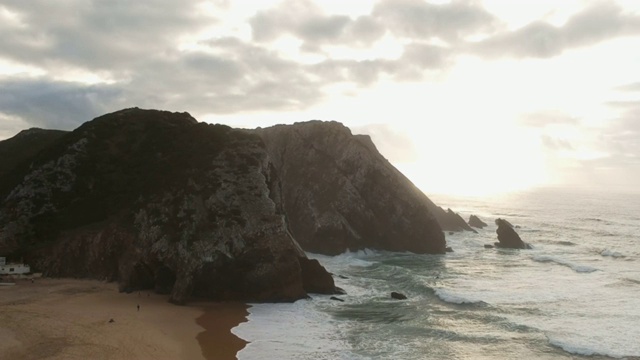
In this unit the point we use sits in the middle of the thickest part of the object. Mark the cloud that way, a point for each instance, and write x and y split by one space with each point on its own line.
556 143
308 22
621 141
599 22
546 118
416 19
137 47
396 146
632 87
95 35
239 77
140 48
53 104
231 76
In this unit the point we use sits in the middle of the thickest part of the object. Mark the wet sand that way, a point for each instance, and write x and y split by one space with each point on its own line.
217 341
70 319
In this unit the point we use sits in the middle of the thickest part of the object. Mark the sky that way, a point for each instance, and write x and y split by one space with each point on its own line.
472 97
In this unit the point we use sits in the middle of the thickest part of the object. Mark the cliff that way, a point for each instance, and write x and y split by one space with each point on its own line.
339 193
154 199
22 147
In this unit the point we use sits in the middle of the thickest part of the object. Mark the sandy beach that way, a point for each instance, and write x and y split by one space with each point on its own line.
71 319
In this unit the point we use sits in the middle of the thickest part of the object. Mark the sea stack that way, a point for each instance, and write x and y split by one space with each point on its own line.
476 222
507 236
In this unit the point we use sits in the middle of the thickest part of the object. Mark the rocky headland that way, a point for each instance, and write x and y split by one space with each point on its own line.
156 200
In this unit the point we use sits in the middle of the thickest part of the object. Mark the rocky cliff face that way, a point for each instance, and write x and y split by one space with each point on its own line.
155 199
22 147
339 193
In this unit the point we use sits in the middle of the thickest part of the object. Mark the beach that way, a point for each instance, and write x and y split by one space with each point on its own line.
82 319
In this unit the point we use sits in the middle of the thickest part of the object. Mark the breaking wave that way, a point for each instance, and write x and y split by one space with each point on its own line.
574 267
457 299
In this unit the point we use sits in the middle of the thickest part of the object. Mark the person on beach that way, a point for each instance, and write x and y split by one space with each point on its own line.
138 307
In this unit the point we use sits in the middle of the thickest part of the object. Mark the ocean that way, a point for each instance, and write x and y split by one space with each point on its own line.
575 295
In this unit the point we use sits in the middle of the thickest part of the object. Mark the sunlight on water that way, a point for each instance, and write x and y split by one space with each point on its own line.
575 294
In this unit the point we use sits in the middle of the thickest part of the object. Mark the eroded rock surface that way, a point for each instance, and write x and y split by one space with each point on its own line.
340 194
156 200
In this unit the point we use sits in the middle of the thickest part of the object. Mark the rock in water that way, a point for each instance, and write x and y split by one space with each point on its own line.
339 193
507 236
398 296
476 222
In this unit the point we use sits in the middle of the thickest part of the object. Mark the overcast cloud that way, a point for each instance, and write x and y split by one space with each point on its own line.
137 48
598 22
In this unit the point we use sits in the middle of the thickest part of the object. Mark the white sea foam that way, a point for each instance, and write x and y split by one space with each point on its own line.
450 297
610 253
281 331
583 344
559 261
346 259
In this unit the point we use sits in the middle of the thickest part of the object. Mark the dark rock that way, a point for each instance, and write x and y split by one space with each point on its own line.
451 232
16 152
155 200
315 278
505 222
449 220
336 299
111 321
476 222
342 277
507 236
488 246
340 291
339 193
449 249
398 296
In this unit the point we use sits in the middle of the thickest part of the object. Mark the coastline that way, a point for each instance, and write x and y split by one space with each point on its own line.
217 341
70 318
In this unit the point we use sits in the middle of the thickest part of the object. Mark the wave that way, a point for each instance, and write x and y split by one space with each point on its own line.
506 214
591 219
586 349
613 254
446 296
555 242
574 267
565 243
631 281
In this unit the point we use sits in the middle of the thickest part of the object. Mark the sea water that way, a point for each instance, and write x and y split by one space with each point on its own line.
576 294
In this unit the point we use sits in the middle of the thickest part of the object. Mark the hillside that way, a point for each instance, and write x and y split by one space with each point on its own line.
154 199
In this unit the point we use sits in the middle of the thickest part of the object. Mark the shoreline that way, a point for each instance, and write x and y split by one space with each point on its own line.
217 341
72 318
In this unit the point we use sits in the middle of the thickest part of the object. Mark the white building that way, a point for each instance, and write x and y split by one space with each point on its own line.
13 269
